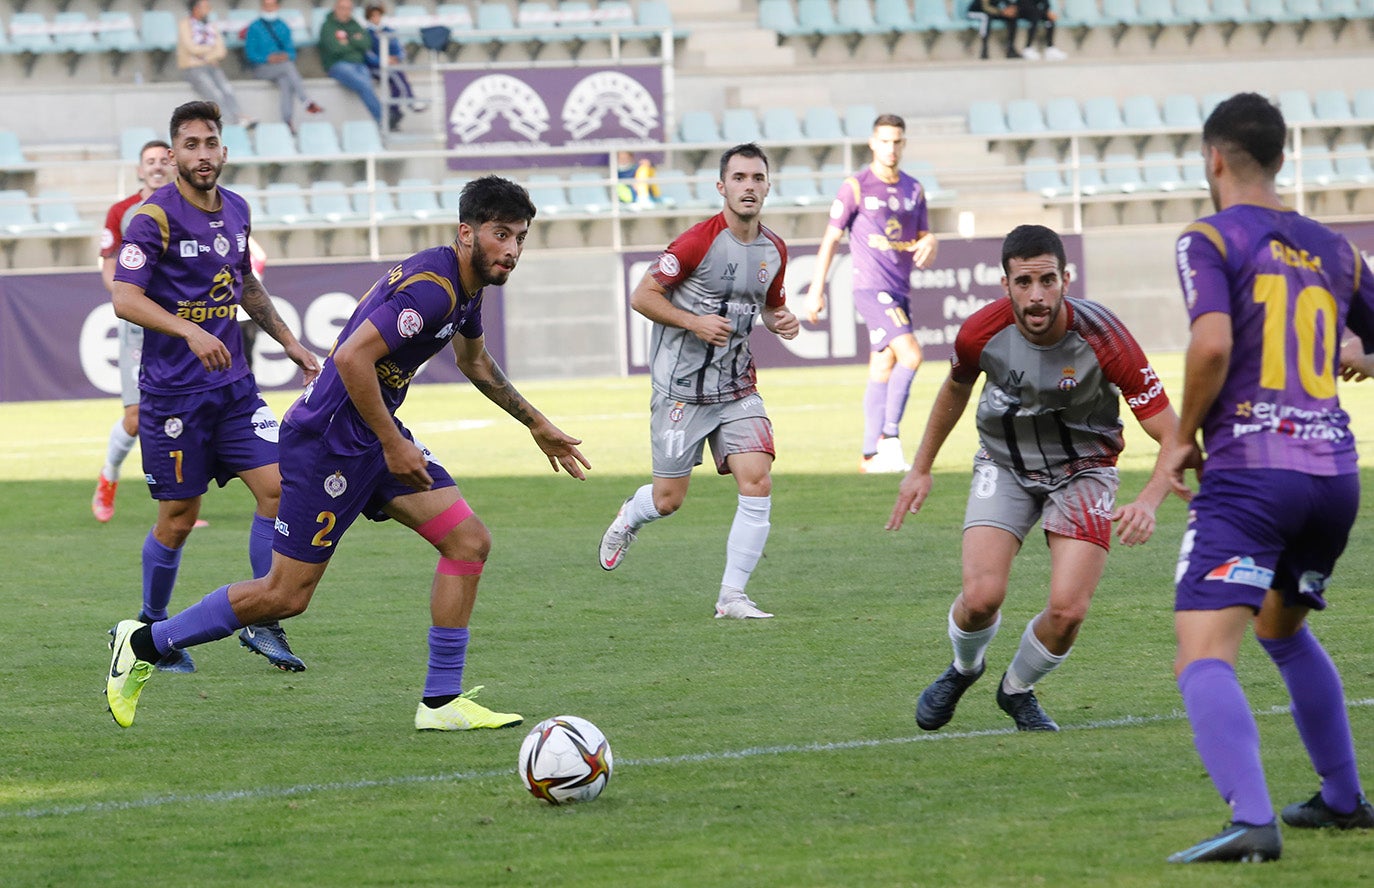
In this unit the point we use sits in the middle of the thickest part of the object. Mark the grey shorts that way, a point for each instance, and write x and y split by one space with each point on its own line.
1079 507
130 357
679 432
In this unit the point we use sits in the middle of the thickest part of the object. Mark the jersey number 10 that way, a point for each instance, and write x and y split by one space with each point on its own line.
1315 306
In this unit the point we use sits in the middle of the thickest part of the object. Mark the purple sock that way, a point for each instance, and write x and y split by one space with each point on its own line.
875 407
898 390
209 619
260 545
1227 738
448 648
1318 709
160 566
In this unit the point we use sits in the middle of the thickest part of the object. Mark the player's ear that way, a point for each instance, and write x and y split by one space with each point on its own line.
465 234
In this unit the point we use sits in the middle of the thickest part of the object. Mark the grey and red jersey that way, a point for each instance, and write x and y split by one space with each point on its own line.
1289 286
1047 412
884 219
706 270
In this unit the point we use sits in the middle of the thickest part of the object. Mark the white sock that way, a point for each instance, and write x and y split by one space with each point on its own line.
121 442
1031 663
969 647
744 547
640 510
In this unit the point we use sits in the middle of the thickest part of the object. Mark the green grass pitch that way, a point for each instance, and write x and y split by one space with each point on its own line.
772 753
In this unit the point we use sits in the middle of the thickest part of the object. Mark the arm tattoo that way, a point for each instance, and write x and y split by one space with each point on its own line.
259 307
500 392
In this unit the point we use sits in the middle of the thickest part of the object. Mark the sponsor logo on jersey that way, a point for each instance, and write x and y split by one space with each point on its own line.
221 244
668 265
265 424
409 322
1242 570
1312 583
1153 388
445 331
729 273
190 249
335 484
1104 507
872 203
173 428
282 528
131 257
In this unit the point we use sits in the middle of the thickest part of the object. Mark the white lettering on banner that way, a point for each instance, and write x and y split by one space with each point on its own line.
98 348
834 339
270 364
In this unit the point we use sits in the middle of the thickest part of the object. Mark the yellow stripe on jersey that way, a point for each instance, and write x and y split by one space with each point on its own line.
1359 263
1210 233
159 216
853 183
433 278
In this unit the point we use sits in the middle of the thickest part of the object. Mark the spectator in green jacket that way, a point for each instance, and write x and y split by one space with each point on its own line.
344 45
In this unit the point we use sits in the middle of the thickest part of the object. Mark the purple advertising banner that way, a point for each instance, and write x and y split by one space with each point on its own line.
965 276
58 331
519 109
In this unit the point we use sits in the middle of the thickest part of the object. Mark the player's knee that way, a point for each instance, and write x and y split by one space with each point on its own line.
980 605
1065 619
469 541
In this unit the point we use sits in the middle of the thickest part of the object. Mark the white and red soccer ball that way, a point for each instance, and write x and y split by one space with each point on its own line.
565 759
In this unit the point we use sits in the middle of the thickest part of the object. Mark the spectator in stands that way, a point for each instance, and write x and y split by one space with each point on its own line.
636 177
1038 15
387 46
343 55
984 13
271 51
200 49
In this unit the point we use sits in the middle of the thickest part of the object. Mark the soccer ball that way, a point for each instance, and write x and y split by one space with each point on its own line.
565 759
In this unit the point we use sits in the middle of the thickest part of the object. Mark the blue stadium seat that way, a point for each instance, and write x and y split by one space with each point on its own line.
816 17
74 32
985 118
1331 105
832 177
547 192
1352 163
118 33
11 152
924 172
779 16
856 17
450 193
275 140
796 184
739 125
329 201
1160 12
858 121
16 213
1196 11
705 186
536 15
1122 12
780 125
1141 112
822 122
934 15
1180 110
1305 11
1296 106
698 126
494 23
674 191
1043 177
893 15
360 137
372 203
158 30
1209 101
1270 11
57 213
1024 117
1193 175
133 138
1062 115
235 26
1231 11
656 14
318 139
1338 10
29 33
1121 172
589 192
1089 177
235 138
1083 14
1362 104
1102 113
1161 172
417 199
284 203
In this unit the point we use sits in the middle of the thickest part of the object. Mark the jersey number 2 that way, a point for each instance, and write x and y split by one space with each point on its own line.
1314 327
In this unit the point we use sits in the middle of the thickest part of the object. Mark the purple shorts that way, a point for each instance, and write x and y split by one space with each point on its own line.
888 315
323 492
1250 530
187 440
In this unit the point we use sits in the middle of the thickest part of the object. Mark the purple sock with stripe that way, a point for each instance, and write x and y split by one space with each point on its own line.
209 619
1318 707
1227 738
448 649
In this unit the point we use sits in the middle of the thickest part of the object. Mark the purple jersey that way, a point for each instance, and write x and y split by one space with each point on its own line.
191 263
883 220
418 307
1289 286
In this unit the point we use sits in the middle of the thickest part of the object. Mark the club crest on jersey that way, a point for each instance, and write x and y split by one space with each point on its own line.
668 265
335 484
675 415
763 272
1067 382
173 428
221 244
131 257
1242 570
409 322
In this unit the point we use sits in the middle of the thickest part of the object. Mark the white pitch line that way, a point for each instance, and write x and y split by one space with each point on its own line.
269 792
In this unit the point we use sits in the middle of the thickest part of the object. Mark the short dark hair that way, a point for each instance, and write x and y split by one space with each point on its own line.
494 199
1029 241
191 5
152 143
206 111
1250 123
889 120
746 149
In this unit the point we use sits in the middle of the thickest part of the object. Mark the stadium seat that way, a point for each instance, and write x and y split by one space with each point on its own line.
705 180
655 14
235 137
29 33
1160 13
1209 101
858 121
822 122
1296 106
780 125
832 177
816 17
893 15
1181 111
934 15
1340 10
235 26
1362 104
284 203
494 25
133 138
330 202
739 125
924 172
1160 171
73 32
417 199
158 30
1024 117
1121 173
1141 112
796 184
275 140
588 192
1232 11
698 126
1083 14
118 33
318 139
855 17
985 118
1062 115
57 213
1305 10
11 152
778 16
16 213
1192 172
1198 12
1331 106
1089 178
1044 178
547 192
1101 113
360 137
1352 164
1121 12
374 203
674 191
